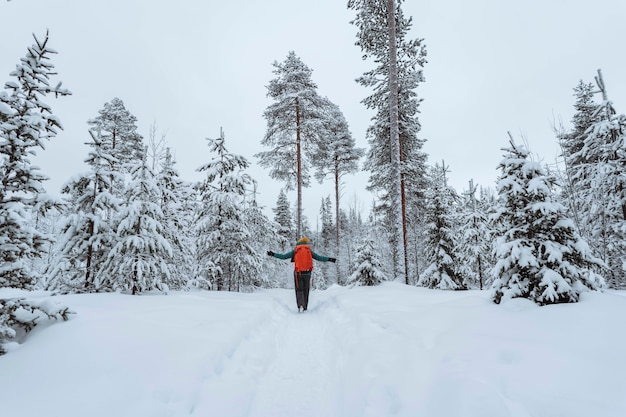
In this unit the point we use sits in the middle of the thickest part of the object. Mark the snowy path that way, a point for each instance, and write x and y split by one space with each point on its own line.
287 366
302 378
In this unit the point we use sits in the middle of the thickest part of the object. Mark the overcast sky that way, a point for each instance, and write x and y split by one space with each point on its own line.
192 67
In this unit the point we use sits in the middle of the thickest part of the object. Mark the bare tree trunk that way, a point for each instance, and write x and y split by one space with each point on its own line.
404 232
91 232
299 172
337 217
396 171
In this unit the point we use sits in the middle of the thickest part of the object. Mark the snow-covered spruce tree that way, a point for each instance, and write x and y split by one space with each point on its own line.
585 116
474 239
294 124
26 123
540 255
18 315
443 270
399 179
265 234
575 189
368 270
325 273
138 261
176 198
86 235
48 223
224 241
601 177
353 231
284 217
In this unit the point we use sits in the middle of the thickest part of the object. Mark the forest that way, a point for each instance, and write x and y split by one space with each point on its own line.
132 224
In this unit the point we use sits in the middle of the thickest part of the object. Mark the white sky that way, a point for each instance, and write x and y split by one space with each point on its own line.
195 66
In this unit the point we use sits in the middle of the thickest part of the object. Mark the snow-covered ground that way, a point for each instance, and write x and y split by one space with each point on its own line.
390 350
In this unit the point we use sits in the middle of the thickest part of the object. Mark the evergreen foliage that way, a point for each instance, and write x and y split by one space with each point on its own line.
337 155
115 127
284 217
325 273
540 255
475 237
225 253
87 233
177 206
595 157
138 260
19 316
294 126
443 270
264 234
373 39
368 269
26 123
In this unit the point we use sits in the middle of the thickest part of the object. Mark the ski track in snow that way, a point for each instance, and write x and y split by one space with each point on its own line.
286 366
301 379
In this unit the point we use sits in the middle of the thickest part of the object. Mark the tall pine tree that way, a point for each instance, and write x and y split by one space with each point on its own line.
116 129
294 126
337 156
395 159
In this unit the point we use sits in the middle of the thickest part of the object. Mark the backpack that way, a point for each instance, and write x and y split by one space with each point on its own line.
303 258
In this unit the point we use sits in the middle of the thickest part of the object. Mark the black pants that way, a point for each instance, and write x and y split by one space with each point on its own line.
302 284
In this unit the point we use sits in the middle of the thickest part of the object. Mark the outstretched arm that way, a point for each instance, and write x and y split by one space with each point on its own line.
323 258
287 255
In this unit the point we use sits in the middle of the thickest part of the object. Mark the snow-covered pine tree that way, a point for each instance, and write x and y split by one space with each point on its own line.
294 124
266 234
224 248
176 203
353 231
87 234
284 217
19 315
138 261
325 273
575 188
336 155
443 270
602 178
368 269
584 117
116 129
26 124
387 179
475 239
539 253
